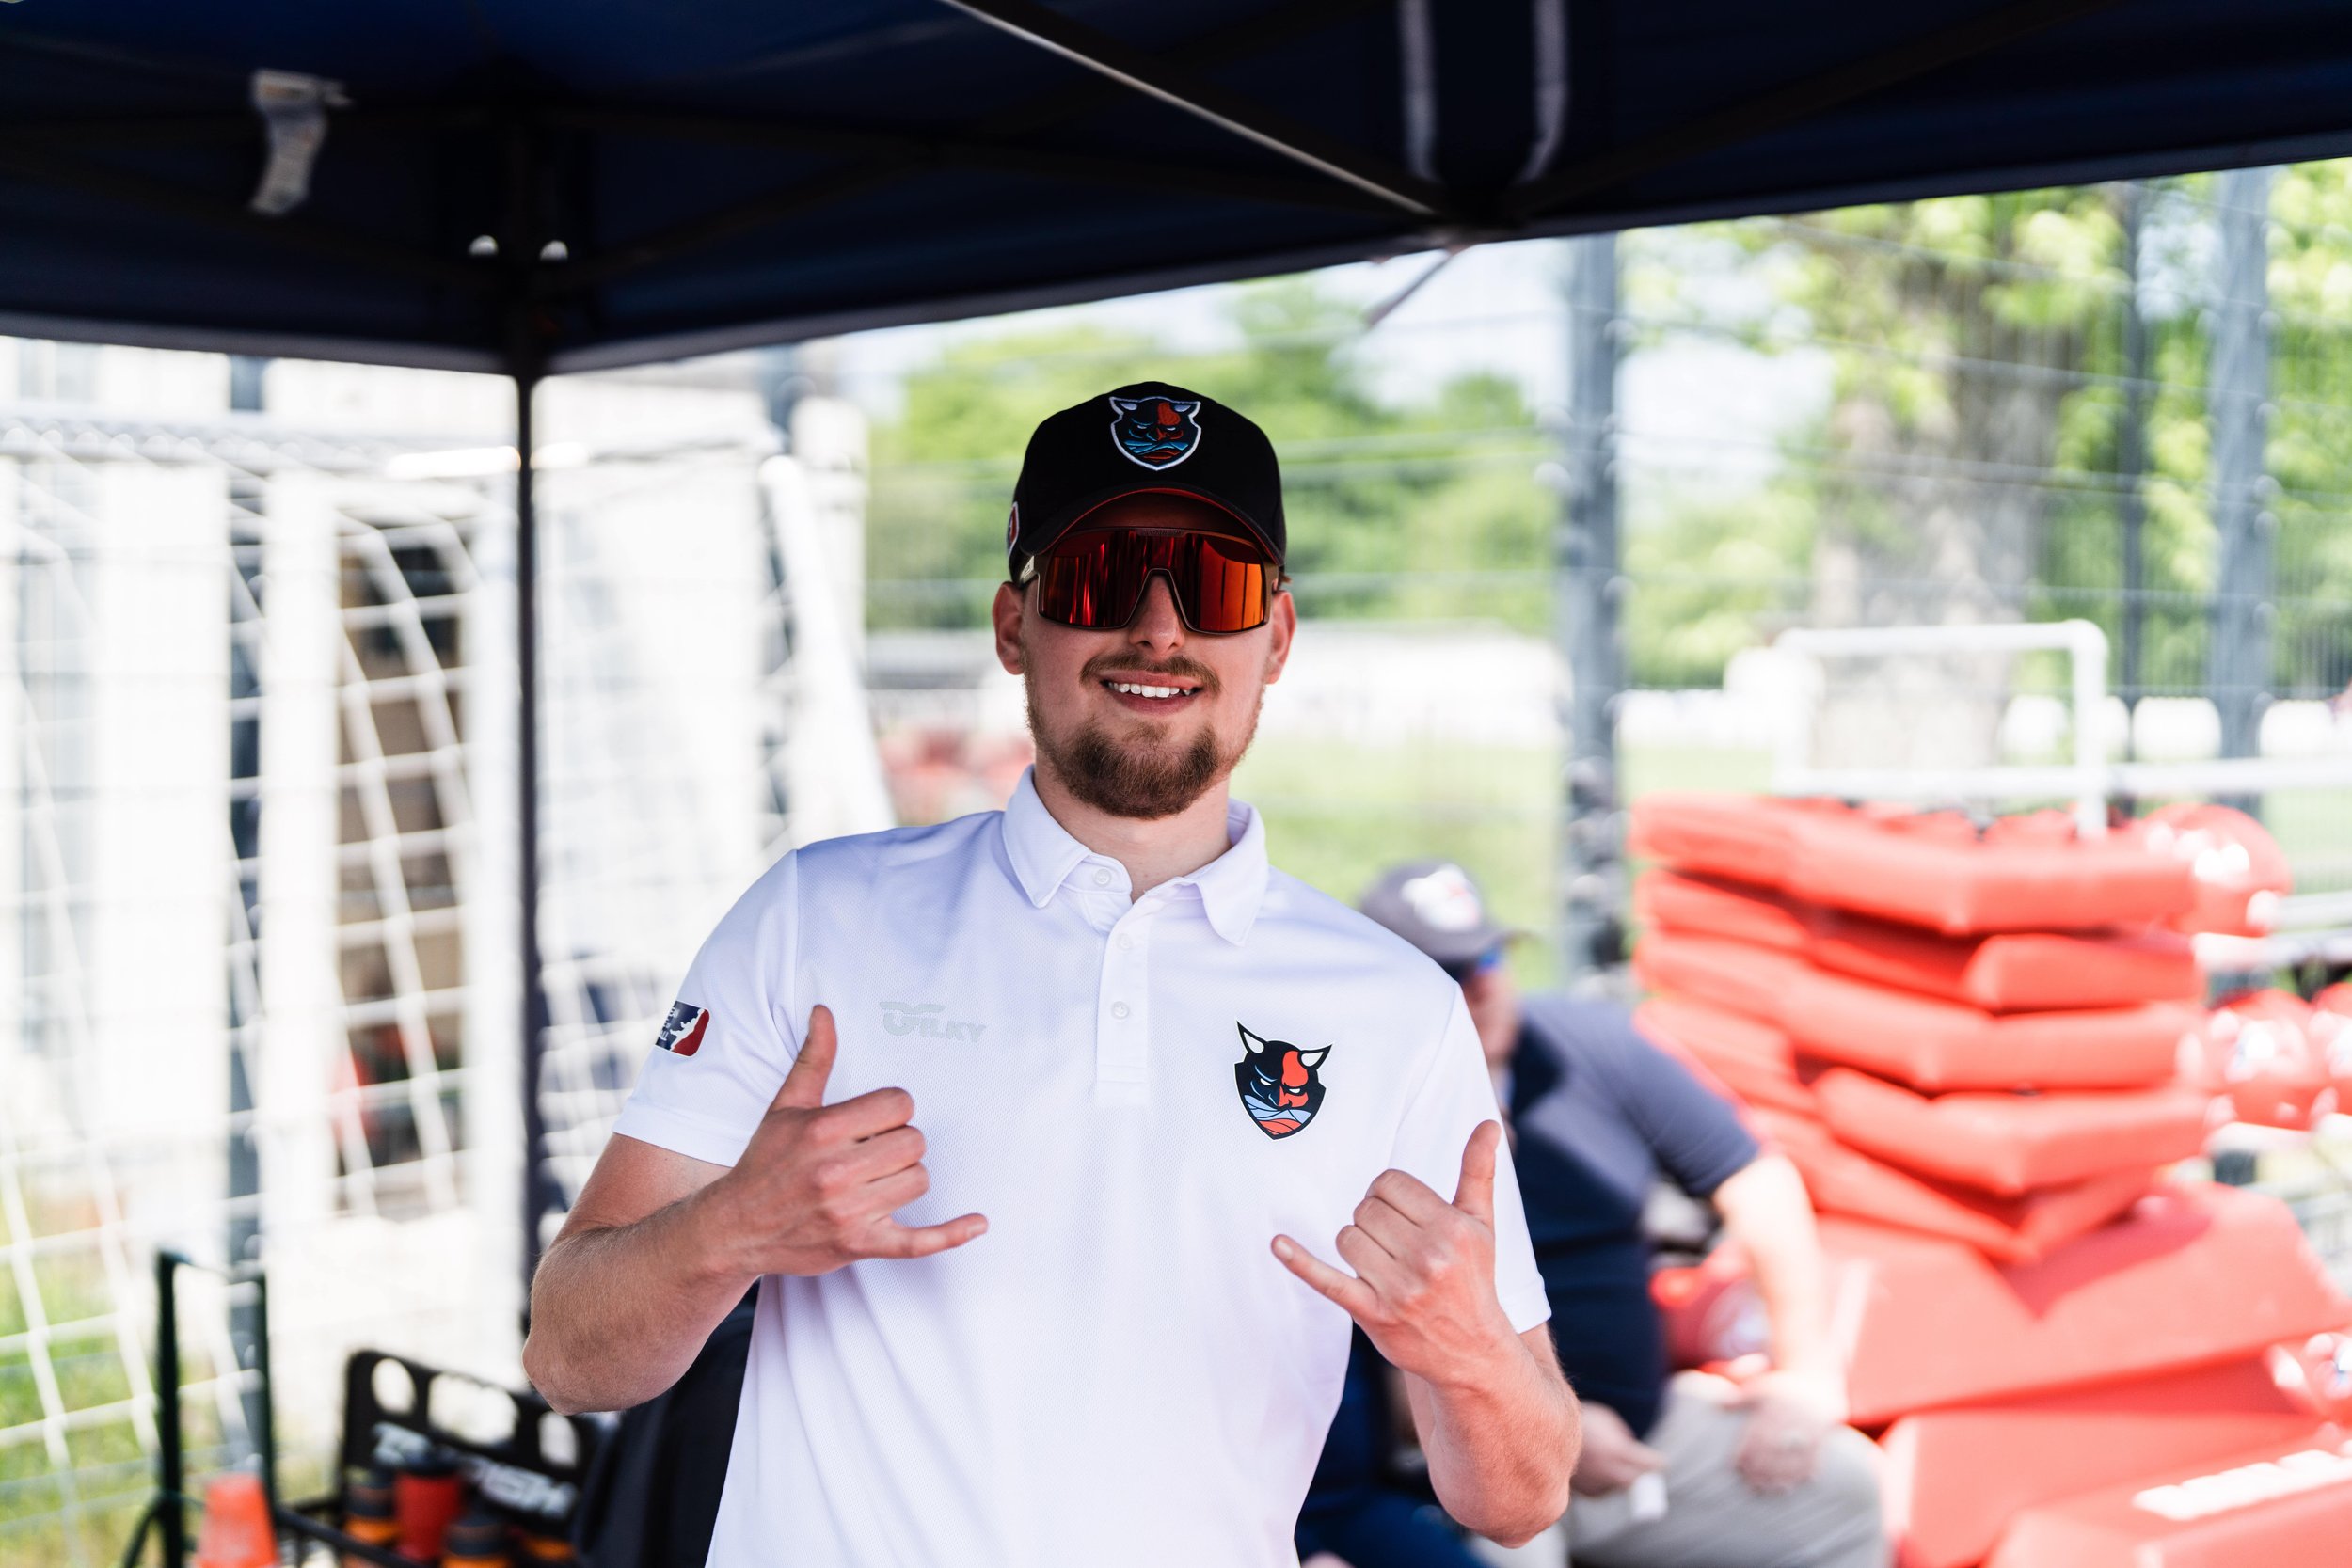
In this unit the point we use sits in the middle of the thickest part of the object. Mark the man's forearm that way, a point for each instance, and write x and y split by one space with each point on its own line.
618 1314
1501 1448
1766 1211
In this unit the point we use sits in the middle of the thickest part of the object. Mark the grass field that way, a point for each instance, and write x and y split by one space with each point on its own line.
1336 815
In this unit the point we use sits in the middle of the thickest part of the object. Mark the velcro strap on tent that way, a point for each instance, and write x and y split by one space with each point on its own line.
293 106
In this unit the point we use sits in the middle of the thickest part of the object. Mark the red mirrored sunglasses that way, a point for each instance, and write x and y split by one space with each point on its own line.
1095 580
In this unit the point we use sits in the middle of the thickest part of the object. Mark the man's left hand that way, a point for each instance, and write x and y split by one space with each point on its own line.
1789 1416
1423 1289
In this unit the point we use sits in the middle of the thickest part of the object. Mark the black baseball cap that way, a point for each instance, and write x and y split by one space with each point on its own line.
1436 906
1143 438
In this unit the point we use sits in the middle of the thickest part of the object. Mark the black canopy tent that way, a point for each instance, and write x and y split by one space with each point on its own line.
529 189
512 186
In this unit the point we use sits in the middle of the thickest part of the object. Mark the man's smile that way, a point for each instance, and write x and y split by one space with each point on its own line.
1151 693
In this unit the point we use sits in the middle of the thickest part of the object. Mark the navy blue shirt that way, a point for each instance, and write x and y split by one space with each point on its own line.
1601 1114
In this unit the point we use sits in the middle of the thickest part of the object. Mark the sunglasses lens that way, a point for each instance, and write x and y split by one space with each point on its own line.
1486 964
1095 581
1076 581
1223 589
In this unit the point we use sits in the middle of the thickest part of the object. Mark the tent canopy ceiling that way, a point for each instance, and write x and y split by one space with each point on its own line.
503 184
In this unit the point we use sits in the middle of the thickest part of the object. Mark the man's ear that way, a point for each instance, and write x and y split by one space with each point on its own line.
1007 613
1284 622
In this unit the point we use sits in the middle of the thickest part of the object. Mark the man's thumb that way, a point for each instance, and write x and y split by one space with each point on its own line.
803 1087
1475 1194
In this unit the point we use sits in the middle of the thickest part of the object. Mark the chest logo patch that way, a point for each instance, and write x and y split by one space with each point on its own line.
682 1031
1280 1085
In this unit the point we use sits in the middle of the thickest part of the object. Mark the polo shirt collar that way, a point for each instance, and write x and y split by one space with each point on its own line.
1231 886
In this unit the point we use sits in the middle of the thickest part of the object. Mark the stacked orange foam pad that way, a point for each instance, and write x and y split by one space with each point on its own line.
1967 1042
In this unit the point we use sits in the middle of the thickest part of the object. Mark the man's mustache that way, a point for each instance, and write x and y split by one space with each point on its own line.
1102 667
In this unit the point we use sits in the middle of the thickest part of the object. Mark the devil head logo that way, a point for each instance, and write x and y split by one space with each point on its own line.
1280 1087
1157 433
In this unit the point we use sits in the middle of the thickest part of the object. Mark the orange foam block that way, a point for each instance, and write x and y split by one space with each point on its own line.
1845 1181
1954 1479
2012 972
1741 976
2011 1143
1711 906
2282 1505
1929 1043
1925 868
2004 972
2195 1274
1751 1059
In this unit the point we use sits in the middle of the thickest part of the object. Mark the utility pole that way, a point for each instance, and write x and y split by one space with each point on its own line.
2130 462
1586 593
2236 403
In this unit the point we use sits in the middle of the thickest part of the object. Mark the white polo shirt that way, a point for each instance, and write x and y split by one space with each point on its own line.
1120 1370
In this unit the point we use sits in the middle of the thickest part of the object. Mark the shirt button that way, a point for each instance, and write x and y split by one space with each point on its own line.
1102 877
1118 1010
1126 939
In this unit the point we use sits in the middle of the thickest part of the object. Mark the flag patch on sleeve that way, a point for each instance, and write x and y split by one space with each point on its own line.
682 1031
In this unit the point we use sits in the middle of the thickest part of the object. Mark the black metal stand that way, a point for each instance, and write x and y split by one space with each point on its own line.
535 1488
167 1512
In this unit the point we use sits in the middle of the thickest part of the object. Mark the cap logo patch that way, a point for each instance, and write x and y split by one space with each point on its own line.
1444 899
1155 433
1280 1085
682 1031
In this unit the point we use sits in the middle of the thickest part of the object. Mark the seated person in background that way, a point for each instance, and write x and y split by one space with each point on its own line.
1760 1475
1356 1513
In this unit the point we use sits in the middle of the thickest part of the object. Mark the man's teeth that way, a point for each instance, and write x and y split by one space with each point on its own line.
1135 690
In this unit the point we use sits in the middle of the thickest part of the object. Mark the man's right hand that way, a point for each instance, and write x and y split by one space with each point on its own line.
1612 1458
817 1184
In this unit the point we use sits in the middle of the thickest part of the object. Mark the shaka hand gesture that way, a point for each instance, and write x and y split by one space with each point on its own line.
817 1184
1423 1289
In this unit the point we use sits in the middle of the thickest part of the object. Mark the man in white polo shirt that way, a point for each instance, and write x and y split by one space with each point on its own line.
1181 1117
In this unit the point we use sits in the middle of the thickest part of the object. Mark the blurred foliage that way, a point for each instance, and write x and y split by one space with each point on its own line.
1982 337
1965 463
1373 490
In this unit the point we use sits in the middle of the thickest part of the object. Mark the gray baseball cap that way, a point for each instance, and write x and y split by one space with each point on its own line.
1436 906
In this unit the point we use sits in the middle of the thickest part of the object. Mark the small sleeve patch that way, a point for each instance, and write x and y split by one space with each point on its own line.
682 1031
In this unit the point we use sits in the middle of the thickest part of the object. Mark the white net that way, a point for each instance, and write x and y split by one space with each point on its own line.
258 993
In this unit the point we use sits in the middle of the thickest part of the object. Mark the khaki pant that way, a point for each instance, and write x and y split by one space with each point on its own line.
1713 1519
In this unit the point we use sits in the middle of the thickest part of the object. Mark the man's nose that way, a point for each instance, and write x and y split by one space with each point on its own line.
1157 625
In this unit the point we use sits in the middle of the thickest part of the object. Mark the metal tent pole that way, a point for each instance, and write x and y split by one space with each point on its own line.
528 221
2238 388
2131 460
535 1198
1586 607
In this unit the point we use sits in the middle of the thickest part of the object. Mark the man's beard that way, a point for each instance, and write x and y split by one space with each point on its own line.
1139 781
